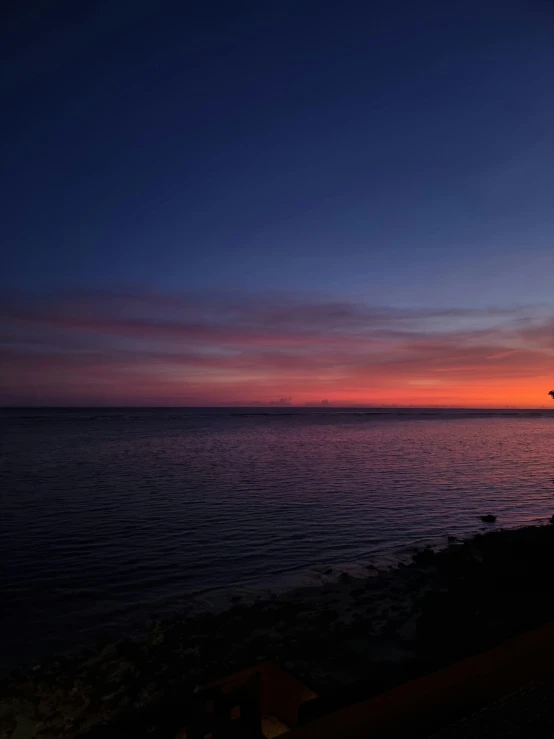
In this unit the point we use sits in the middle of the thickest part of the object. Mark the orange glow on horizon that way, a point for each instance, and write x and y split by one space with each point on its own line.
97 352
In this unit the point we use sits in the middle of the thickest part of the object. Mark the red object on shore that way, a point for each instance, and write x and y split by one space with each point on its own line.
261 701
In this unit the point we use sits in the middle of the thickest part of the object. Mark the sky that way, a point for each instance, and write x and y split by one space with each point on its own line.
273 203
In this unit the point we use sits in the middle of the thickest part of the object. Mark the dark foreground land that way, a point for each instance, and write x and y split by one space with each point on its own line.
346 640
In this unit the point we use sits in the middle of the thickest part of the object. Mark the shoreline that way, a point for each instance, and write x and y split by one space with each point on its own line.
347 639
134 621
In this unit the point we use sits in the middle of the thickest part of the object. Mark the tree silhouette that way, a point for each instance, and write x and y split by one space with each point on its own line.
551 393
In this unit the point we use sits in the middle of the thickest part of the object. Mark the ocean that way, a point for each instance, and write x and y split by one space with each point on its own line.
109 515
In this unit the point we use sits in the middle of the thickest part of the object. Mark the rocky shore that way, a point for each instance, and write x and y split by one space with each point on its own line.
346 639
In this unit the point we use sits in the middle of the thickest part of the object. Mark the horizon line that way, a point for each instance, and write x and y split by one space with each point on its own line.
276 406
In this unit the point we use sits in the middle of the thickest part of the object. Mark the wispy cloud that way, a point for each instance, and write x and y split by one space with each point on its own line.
110 347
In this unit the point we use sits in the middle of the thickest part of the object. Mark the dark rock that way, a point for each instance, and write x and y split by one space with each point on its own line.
552 519
488 518
424 557
452 539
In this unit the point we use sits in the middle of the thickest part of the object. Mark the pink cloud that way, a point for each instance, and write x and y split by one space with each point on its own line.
149 349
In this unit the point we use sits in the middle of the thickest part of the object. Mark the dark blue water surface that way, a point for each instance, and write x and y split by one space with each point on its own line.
110 514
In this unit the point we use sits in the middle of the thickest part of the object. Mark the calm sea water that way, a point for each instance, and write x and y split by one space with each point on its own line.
109 514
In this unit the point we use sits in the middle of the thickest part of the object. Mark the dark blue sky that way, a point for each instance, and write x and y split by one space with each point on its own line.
398 151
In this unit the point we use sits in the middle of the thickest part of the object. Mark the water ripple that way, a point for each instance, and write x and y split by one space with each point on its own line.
104 514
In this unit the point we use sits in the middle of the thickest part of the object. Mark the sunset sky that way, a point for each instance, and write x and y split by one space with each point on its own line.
277 202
